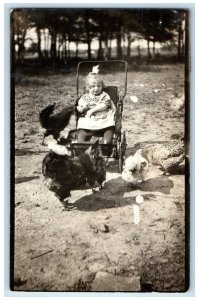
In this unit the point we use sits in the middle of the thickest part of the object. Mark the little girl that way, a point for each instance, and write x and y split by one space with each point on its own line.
97 111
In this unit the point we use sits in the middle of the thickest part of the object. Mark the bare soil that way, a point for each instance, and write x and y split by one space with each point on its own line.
56 250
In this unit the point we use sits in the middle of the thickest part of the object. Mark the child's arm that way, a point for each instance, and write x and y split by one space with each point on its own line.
80 108
104 104
99 107
82 105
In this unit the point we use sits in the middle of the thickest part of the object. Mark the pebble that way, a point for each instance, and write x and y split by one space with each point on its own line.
104 228
96 267
134 99
139 199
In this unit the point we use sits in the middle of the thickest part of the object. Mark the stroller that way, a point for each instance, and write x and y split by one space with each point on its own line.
117 94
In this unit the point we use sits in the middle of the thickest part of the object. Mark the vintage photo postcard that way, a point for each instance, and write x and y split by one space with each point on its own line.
100 115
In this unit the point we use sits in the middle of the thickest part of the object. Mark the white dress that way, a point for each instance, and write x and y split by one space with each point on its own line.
98 120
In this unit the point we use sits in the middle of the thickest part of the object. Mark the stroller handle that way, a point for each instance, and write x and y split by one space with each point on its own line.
104 62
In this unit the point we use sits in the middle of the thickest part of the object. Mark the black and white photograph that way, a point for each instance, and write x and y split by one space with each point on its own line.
100 149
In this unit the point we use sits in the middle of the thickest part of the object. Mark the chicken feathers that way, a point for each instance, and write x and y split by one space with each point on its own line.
64 173
55 123
168 155
135 168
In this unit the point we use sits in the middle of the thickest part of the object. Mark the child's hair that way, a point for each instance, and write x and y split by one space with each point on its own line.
94 76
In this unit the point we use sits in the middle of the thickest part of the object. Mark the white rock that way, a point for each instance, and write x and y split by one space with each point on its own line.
96 267
134 99
139 199
156 91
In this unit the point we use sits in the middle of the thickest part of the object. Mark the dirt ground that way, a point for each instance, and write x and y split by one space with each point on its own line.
97 247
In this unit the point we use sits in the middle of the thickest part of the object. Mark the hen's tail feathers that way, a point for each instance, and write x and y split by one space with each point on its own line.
45 113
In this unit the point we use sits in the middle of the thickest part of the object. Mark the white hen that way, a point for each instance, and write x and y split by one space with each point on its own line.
177 103
135 168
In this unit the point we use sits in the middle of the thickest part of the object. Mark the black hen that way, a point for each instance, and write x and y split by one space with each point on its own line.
64 173
55 123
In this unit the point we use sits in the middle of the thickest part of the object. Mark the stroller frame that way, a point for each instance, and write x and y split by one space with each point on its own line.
118 145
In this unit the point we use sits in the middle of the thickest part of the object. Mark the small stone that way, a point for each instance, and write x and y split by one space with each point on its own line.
134 99
104 228
123 252
139 199
96 267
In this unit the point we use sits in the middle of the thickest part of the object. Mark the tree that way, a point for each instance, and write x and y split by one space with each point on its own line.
158 26
20 25
117 27
37 18
181 19
57 28
131 27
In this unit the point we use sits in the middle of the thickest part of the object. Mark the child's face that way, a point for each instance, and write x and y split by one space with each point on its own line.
94 86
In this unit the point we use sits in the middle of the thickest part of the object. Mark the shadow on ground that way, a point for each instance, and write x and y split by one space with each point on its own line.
112 195
25 179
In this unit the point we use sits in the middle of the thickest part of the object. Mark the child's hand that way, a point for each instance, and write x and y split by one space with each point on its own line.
89 113
80 108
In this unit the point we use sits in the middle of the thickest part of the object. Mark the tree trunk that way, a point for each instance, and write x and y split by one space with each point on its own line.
21 42
119 45
53 48
153 49
139 51
62 55
88 38
53 45
89 50
12 43
77 50
18 40
148 49
110 49
65 49
128 46
46 43
69 49
100 54
39 42
59 46
179 36
106 50
123 45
